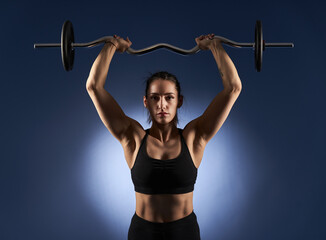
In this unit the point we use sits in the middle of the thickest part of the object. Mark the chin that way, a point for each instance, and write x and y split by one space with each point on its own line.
163 120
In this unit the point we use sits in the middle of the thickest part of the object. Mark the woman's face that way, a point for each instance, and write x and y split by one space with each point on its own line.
162 101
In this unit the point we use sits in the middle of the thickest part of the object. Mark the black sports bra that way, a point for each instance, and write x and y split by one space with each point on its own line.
173 176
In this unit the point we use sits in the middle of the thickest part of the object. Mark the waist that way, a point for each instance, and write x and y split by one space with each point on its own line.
163 207
167 190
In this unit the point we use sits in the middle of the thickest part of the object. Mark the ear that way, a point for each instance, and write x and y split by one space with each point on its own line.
145 101
180 102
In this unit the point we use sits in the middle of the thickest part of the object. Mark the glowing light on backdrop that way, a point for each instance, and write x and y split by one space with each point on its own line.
107 181
222 189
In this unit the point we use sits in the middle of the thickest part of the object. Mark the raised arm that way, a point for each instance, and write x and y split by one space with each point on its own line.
208 124
108 109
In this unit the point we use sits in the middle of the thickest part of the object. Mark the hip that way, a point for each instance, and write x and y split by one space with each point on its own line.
184 228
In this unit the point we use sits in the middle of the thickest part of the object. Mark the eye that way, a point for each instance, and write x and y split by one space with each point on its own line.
169 97
154 97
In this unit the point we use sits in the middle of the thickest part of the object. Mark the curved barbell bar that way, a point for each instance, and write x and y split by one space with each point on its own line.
164 45
67 45
157 46
181 51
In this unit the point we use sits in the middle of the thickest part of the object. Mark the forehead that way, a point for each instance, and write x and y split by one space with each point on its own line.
162 86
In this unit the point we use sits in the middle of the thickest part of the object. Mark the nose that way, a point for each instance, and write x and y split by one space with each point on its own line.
162 103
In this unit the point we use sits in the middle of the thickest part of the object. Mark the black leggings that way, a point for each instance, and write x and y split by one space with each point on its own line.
184 228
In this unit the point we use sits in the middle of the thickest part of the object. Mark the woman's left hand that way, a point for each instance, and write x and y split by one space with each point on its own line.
205 42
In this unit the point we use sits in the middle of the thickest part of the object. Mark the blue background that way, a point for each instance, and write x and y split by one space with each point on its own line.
63 176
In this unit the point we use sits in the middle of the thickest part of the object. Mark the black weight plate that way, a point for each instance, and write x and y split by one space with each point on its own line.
67 52
259 45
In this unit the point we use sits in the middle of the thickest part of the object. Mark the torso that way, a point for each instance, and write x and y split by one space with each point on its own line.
163 207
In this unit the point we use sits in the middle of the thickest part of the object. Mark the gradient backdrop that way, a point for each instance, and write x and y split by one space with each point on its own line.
63 176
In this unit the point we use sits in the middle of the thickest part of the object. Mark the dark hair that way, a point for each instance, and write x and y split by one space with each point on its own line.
165 76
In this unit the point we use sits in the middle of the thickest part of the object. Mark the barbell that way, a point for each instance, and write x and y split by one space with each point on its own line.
68 46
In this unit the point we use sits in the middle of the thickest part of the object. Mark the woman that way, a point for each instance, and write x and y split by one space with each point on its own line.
163 159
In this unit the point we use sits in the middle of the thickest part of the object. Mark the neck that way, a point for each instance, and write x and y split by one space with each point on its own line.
163 133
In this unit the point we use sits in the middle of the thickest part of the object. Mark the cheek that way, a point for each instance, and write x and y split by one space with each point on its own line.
175 104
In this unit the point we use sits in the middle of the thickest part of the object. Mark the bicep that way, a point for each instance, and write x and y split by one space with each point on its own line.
110 112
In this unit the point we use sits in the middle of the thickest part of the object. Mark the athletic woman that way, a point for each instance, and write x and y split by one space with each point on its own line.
163 159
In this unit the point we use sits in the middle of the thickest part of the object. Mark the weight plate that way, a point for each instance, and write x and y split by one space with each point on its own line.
67 52
259 45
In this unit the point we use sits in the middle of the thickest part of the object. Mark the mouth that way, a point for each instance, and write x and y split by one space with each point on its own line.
162 114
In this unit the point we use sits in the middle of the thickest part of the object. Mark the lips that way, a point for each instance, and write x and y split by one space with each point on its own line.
162 113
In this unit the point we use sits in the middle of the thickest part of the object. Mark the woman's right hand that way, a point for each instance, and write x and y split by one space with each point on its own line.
121 44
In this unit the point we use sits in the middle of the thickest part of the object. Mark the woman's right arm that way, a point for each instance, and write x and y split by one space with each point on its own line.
108 109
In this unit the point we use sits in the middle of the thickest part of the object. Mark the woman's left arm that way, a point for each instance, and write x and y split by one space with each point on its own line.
216 113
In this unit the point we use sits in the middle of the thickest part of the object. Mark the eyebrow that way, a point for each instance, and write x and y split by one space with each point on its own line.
164 94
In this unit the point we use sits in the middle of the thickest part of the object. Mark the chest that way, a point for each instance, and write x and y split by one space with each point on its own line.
164 169
168 150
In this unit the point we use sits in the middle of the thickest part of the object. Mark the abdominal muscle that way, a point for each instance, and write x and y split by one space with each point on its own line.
163 208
